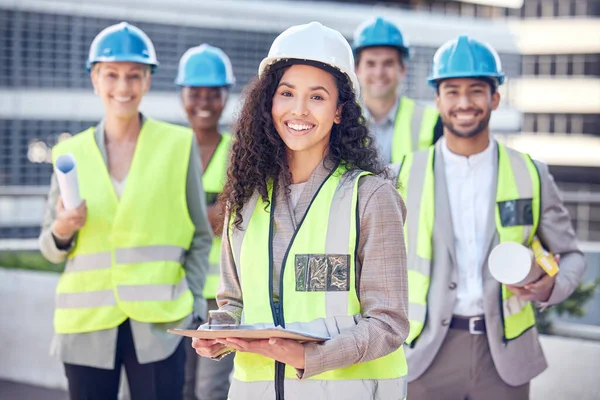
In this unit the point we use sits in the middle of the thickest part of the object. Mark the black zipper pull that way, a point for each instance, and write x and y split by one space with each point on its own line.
277 313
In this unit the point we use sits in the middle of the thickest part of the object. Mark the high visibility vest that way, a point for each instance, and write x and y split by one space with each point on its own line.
326 238
213 180
413 129
517 217
127 260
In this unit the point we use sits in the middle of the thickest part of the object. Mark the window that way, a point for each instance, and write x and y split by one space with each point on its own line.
592 65
543 123
529 123
529 65
49 50
561 65
576 124
564 8
578 61
530 9
594 8
562 123
548 8
25 149
544 65
581 7
468 10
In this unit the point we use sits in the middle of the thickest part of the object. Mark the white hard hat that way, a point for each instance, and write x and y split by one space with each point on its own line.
313 42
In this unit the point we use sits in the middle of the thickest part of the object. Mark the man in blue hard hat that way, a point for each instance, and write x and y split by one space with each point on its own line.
205 76
399 124
472 337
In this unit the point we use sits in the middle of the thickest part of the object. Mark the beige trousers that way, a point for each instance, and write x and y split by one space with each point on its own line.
463 369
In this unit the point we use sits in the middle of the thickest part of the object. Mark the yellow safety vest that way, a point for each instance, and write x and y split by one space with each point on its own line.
127 260
213 180
323 304
517 217
413 129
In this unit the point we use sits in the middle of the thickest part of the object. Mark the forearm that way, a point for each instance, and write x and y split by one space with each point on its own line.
572 267
368 340
558 236
196 263
229 294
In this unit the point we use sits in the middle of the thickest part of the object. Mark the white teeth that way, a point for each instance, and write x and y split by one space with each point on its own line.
203 113
464 117
300 127
122 99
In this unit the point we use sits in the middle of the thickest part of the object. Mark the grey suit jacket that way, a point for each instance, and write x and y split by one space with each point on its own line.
521 359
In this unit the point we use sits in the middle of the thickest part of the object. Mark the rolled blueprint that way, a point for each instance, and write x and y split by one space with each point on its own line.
512 263
66 174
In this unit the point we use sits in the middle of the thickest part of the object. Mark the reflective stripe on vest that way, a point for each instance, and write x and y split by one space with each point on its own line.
326 240
127 260
382 389
213 180
125 292
517 180
413 128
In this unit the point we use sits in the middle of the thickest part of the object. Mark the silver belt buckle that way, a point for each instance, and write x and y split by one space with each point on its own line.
472 322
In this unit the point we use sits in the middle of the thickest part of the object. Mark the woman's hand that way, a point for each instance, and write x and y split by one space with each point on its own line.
286 351
209 348
68 222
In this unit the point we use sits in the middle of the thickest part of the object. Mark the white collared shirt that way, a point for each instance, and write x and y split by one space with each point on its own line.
470 188
383 131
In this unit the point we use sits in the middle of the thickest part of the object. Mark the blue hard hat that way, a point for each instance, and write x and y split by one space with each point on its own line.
205 66
379 32
465 58
122 43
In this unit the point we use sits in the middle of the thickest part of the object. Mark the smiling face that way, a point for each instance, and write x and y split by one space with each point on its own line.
203 106
121 86
380 71
305 109
466 105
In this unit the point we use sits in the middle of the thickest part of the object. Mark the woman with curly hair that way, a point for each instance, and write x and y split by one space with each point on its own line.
313 237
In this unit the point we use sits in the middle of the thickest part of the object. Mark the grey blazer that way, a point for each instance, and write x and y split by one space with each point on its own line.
521 359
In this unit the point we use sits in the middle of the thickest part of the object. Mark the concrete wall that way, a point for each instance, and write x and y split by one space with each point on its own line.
26 308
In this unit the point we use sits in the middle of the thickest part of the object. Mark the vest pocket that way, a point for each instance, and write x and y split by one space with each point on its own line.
516 212
322 272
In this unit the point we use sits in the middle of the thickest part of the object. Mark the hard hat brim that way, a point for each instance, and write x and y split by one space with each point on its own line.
200 83
435 81
402 49
266 64
133 59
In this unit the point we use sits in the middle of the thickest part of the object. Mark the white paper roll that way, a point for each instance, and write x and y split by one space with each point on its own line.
512 263
66 174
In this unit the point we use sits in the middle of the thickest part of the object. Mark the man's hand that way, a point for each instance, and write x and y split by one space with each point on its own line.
539 290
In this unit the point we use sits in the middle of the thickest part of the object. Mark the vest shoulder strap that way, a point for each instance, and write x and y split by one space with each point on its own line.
73 142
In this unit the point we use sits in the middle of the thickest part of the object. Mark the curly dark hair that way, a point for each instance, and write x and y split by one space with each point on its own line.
258 153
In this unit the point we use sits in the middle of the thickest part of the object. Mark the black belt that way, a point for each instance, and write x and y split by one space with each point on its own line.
475 325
